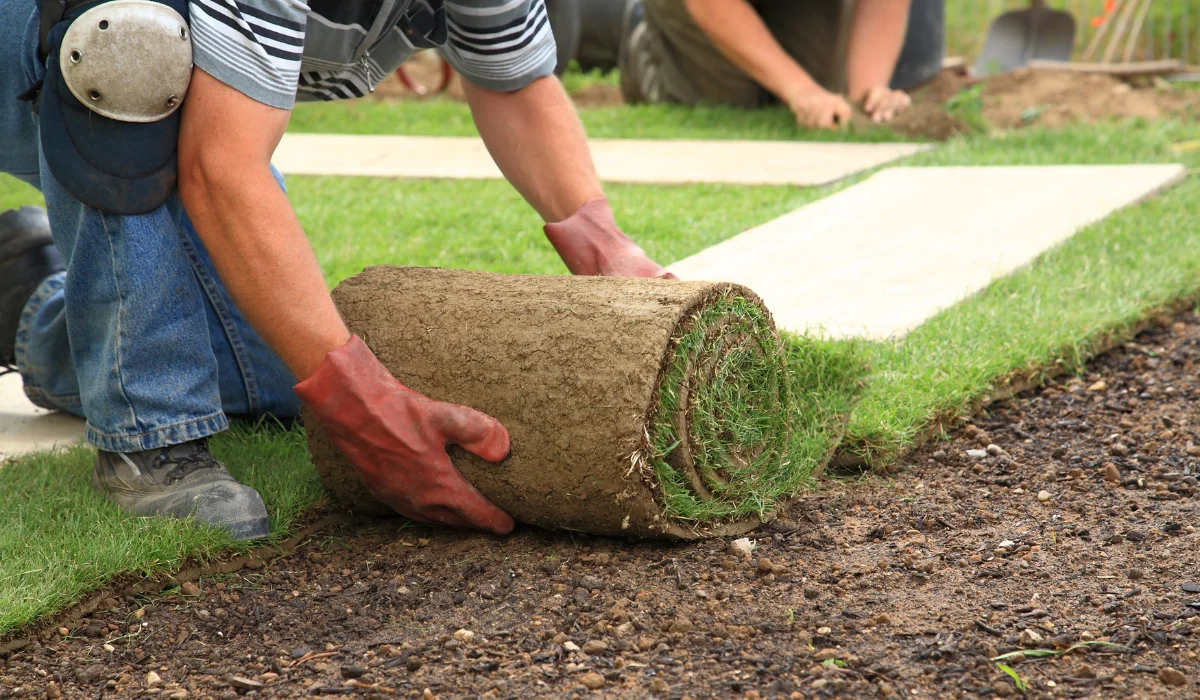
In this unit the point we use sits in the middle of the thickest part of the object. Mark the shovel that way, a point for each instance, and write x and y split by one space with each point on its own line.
1015 38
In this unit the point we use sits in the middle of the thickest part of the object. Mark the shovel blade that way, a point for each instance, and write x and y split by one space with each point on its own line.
1015 38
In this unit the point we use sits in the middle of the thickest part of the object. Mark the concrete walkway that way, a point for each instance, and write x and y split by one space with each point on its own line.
617 160
25 427
878 258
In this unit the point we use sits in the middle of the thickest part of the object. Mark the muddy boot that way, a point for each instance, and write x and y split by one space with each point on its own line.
27 257
180 481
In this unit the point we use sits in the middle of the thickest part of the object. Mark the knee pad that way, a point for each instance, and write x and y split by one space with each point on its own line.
116 73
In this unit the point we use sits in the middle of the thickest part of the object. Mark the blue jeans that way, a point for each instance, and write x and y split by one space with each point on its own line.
138 336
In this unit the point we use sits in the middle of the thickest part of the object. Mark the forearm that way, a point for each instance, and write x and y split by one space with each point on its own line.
264 260
738 32
537 141
876 38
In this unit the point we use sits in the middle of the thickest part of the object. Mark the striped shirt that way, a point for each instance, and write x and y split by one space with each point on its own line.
280 51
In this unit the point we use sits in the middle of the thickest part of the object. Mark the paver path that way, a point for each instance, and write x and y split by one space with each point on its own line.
880 257
617 160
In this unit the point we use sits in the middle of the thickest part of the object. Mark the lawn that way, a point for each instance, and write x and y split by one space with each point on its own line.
59 540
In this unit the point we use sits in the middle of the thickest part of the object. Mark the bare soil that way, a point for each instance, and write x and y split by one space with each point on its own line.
1027 98
1079 525
1016 100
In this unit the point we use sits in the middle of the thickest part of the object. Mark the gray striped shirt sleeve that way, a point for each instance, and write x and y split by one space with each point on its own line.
253 46
500 45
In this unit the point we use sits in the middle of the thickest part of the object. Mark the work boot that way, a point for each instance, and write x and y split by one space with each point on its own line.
180 481
27 257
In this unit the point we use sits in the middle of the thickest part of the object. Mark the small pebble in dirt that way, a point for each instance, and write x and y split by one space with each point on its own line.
203 614
189 588
977 454
822 631
812 593
1118 450
594 646
995 450
353 671
465 636
1002 689
269 677
825 654
1085 671
681 624
1172 677
592 680
64 632
1044 496
1111 473
1099 386
742 547
412 665
939 454
658 685
153 680
53 692
427 694
570 646
243 683
765 566
591 583
300 652
1135 574
1191 587
178 695
1029 638
109 648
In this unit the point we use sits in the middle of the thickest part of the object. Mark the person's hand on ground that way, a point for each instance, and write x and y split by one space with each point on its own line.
590 243
882 104
817 108
397 438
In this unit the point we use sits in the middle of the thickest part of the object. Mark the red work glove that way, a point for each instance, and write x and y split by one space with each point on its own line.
590 243
397 438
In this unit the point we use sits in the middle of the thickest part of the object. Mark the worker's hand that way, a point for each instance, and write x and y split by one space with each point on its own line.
817 108
397 438
881 103
590 243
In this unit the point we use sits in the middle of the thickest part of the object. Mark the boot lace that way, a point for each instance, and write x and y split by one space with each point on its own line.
198 458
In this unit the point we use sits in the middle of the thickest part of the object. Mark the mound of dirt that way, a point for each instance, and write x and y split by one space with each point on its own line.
1026 98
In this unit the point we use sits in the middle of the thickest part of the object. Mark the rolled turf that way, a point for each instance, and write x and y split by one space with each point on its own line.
641 408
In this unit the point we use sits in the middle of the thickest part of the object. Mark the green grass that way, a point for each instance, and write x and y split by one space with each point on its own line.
444 117
59 540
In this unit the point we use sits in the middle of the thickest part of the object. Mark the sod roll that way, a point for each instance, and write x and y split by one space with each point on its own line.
642 408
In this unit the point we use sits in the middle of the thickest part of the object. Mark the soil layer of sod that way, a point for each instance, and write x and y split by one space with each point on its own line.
1075 533
636 407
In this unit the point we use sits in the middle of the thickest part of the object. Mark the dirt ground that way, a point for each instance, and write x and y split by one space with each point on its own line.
1065 515
1019 99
